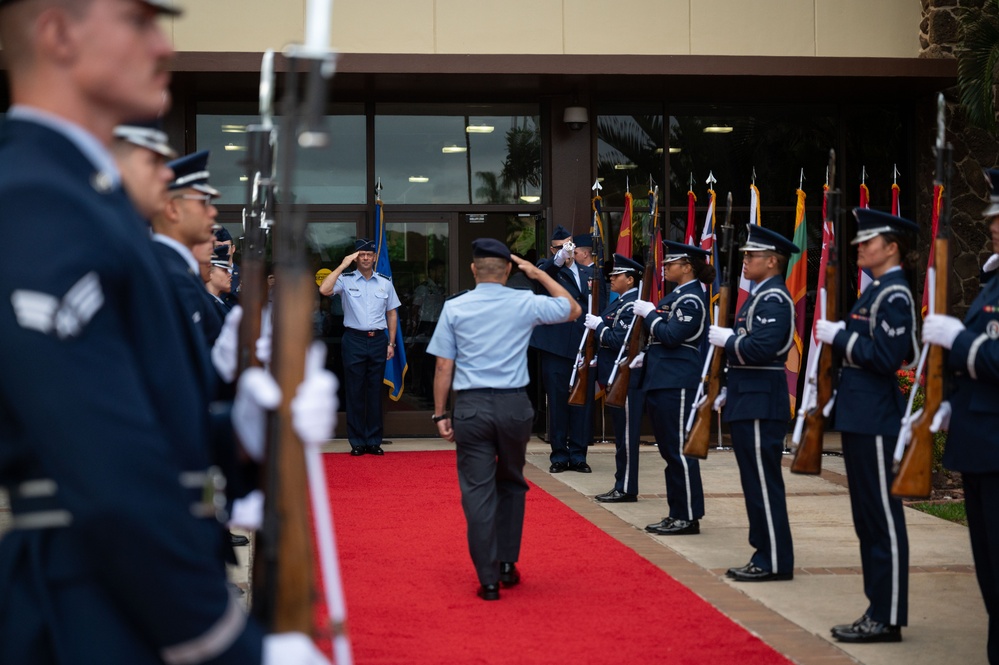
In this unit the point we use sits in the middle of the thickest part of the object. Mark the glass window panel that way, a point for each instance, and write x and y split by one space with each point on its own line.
450 154
334 174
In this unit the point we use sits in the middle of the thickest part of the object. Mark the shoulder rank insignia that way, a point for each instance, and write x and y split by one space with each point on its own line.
764 320
67 317
384 276
460 293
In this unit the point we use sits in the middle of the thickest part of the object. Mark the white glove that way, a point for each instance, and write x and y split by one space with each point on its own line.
718 336
643 307
721 399
313 409
941 419
256 393
941 330
592 321
264 350
637 361
991 264
291 649
248 511
564 252
826 331
226 348
827 409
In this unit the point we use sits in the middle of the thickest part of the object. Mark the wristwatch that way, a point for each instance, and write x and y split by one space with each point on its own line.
439 418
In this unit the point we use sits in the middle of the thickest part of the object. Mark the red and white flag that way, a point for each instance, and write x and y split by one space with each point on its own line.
754 218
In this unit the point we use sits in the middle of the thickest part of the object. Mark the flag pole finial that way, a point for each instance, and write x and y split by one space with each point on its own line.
627 184
691 181
863 175
378 188
597 186
711 179
827 176
801 179
895 174
754 175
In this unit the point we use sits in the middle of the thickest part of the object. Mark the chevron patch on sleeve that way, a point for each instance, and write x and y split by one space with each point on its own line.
67 318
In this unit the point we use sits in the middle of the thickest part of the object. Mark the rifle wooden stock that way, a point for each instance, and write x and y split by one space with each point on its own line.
577 395
253 280
915 472
617 392
700 434
808 456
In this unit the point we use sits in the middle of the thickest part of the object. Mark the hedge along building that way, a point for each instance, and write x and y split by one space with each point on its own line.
492 118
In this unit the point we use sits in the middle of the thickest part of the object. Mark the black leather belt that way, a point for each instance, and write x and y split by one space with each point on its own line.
494 391
365 333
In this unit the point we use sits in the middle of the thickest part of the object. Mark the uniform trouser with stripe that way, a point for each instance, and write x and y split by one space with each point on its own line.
880 525
363 374
759 446
668 410
981 496
491 433
569 427
627 422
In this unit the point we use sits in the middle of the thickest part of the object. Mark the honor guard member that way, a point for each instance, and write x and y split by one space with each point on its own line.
141 152
102 488
611 328
558 345
224 239
971 416
481 347
876 339
673 364
756 403
370 307
219 280
583 257
186 221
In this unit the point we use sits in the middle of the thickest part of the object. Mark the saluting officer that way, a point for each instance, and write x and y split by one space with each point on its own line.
874 341
568 430
370 315
611 328
673 364
756 403
481 344
99 493
973 420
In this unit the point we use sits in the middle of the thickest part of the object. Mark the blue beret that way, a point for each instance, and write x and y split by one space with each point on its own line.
560 233
192 171
992 175
622 264
583 240
365 245
871 223
148 135
489 247
765 240
677 250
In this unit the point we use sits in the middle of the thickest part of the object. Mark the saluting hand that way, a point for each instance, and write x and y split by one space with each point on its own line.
350 258
529 269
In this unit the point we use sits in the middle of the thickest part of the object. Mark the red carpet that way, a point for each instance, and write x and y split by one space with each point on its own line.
584 598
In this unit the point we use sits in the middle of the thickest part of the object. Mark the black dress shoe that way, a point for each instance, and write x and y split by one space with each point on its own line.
615 496
677 528
509 575
581 467
488 591
558 467
375 450
753 573
840 627
662 524
237 540
869 630
357 451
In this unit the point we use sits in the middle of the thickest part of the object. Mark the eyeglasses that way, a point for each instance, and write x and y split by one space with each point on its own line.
206 199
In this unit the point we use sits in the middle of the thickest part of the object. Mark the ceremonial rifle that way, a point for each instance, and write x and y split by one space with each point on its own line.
699 434
635 337
913 478
822 375
580 380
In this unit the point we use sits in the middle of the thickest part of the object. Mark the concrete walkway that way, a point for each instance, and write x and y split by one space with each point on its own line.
947 620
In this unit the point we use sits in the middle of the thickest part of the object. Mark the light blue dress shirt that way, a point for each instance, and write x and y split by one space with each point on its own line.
365 301
486 331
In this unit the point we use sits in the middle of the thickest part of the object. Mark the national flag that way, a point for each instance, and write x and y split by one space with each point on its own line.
797 284
688 238
624 236
598 220
754 218
708 243
396 368
659 288
864 277
938 192
657 241
828 238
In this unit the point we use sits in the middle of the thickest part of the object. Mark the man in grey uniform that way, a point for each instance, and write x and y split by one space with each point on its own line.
481 344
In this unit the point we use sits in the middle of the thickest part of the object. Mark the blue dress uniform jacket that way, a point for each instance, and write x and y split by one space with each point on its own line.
562 339
191 292
879 337
99 396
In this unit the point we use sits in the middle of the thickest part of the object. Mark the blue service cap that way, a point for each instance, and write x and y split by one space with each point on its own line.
560 233
583 240
992 176
222 234
221 253
364 245
622 264
677 250
765 240
871 223
161 6
489 248
146 135
192 171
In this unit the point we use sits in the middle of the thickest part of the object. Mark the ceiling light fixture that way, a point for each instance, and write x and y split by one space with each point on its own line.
232 147
673 151
529 198
717 129
233 129
479 129
419 178
625 167
452 149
